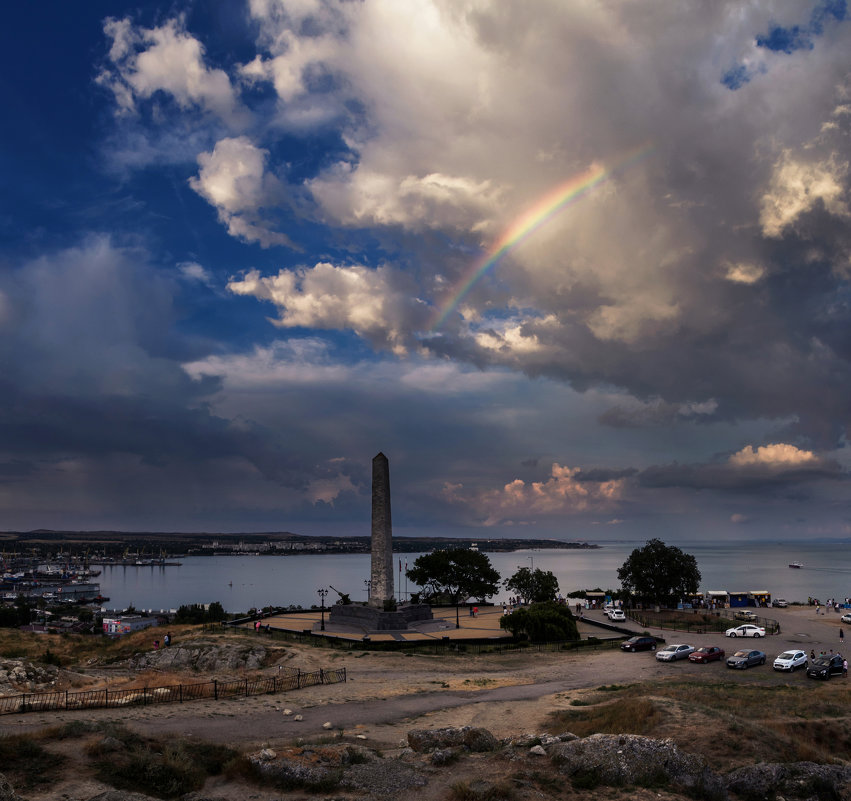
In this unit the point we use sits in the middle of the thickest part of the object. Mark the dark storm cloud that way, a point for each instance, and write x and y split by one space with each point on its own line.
601 474
91 368
727 478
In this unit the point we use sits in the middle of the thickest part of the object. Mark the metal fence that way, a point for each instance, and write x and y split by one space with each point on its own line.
216 690
699 623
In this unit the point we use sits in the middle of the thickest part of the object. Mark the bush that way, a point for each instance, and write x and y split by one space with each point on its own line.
542 623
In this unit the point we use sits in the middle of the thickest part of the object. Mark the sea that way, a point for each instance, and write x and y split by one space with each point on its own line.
244 582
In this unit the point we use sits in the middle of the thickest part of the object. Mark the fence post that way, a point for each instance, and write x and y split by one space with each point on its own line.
298 679
274 684
321 676
344 675
106 697
246 688
66 699
215 689
181 692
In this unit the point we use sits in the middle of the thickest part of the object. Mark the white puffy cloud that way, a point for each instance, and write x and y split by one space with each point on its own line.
520 501
797 186
779 456
326 296
233 178
166 59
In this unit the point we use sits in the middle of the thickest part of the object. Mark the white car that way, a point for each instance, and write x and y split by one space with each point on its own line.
617 614
671 653
780 603
846 618
748 630
789 660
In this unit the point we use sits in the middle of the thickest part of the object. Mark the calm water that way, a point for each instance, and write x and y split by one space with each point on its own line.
242 582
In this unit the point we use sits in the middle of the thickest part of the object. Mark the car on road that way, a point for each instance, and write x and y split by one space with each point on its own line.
673 652
639 644
708 653
780 603
744 659
748 630
846 618
825 666
617 614
743 614
790 660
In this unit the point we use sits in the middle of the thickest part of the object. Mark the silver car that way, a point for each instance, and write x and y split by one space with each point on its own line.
790 660
671 653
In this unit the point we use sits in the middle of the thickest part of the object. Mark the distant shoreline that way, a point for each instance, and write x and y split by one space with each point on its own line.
147 544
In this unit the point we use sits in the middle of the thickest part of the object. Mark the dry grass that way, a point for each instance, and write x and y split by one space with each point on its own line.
730 724
620 716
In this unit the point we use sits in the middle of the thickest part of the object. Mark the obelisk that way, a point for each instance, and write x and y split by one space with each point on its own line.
381 589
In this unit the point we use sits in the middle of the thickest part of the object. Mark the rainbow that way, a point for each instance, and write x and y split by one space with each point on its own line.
532 219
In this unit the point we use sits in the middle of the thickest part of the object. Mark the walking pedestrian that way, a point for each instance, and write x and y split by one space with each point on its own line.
841 636
844 668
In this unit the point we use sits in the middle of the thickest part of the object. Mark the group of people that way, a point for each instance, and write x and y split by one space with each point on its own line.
830 653
831 605
166 642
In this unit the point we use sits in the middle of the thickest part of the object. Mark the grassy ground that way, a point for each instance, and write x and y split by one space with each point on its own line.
731 724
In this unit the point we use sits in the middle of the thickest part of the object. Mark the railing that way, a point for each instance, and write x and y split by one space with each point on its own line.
216 690
698 623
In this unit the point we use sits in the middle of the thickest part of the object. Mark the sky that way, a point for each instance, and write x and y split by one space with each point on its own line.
579 269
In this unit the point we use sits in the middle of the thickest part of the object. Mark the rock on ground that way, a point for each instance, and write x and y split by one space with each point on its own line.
792 781
475 739
629 759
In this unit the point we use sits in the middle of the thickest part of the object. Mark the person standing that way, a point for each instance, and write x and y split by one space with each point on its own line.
844 668
841 636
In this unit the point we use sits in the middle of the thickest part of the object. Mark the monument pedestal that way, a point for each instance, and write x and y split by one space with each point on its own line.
369 619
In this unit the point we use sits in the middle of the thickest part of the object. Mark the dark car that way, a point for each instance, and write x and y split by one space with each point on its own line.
744 659
825 666
708 653
639 644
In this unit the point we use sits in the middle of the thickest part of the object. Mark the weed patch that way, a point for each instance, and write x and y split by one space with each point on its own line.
623 716
26 763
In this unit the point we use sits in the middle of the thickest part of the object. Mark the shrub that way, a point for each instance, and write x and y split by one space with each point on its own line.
542 622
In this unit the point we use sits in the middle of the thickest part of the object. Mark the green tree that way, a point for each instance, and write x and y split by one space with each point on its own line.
542 622
658 573
533 586
458 573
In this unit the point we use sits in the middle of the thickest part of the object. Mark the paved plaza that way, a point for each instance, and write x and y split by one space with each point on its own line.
484 625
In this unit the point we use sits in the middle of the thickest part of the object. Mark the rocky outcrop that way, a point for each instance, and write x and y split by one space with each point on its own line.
630 759
22 676
793 781
7 792
203 658
425 741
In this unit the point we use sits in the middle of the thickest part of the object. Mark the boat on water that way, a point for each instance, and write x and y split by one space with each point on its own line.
796 564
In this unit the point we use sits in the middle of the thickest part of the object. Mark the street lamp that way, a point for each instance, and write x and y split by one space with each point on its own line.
322 593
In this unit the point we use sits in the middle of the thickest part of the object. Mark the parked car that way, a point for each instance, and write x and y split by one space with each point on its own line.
670 653
846 618
825 666
617 614
746 631
639 644
744 614
780 603
709 653
790 660
744 659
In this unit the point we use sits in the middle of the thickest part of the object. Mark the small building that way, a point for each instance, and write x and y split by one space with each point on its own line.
760 598
116 626
721 599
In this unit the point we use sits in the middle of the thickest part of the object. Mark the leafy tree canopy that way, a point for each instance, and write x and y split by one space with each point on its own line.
658 573
533 585
458 573
542 622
